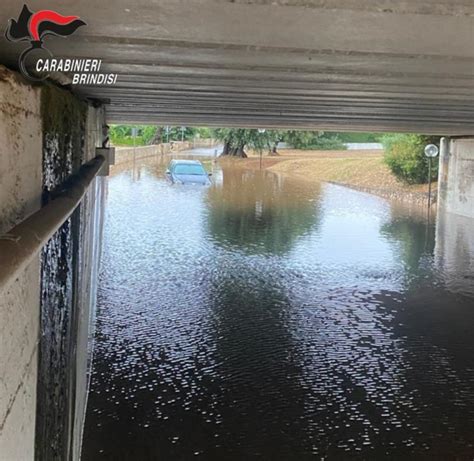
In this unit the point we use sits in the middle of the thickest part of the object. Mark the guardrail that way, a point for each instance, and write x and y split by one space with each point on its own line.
21 244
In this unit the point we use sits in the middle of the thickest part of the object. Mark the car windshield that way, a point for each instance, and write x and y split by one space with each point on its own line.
189 168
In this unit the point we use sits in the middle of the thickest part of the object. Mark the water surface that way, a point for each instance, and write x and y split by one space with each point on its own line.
270 318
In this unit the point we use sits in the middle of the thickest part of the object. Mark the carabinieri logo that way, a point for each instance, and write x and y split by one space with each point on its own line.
33 27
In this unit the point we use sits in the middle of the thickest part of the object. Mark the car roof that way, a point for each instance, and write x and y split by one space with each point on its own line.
194 162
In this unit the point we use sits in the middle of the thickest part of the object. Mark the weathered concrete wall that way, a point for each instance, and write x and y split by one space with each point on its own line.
454 247
63 125
130 154
45 315
20 195
90 238
456 178
71 132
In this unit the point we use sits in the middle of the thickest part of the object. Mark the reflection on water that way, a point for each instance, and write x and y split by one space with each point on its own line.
258 211
266 318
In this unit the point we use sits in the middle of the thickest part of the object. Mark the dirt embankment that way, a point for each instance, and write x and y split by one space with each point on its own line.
359 169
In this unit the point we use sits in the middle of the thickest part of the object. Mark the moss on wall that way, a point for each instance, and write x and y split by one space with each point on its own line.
64 120
61 111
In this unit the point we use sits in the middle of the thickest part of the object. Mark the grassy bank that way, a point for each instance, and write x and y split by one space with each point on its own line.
361 169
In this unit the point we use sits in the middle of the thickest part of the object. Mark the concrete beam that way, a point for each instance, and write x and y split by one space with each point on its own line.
456 177
379 65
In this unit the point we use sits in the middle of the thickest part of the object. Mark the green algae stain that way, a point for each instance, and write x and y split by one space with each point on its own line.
64 119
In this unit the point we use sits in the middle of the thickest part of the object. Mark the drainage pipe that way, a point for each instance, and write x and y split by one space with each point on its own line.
21 244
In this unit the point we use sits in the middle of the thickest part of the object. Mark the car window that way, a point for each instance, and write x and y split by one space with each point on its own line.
191 169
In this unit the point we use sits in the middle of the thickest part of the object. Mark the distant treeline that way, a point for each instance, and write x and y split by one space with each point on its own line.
122 135
403 152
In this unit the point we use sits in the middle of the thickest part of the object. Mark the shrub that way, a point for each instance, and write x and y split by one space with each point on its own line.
404 155
148 133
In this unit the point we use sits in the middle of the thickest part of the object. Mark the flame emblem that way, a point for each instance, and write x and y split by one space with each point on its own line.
33 27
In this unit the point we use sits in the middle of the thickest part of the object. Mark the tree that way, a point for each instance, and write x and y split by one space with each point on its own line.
178 133
121 135
233 139
148 133
404 155
237 139
203 132
120 131
272 138
157 136
314 140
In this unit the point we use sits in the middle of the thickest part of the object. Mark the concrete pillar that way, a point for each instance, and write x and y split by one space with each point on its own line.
91 225
456 177
454 247
72 130
454 236
443 170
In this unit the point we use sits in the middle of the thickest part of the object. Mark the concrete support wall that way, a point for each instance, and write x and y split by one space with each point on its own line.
45 315
64 119
454 247
91 224
130 154
20 195
456 177
71 132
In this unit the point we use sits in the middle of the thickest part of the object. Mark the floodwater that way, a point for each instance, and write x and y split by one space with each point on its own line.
270 318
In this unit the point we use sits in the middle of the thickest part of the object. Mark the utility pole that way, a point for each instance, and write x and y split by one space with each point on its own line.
431 151
261 131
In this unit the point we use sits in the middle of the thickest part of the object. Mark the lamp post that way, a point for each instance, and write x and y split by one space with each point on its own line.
261 131
431 151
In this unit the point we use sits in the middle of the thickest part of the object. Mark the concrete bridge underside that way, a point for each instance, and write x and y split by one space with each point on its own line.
378 65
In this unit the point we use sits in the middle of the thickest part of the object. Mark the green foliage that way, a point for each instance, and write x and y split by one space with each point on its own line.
237 139
404 155
203 132
121 135
176 133
314 140
61 113
148 133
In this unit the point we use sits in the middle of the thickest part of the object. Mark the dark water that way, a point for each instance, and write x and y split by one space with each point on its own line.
267 318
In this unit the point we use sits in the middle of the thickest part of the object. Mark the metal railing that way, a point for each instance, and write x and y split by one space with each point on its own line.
21 244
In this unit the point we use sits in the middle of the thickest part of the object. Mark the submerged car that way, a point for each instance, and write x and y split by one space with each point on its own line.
187 172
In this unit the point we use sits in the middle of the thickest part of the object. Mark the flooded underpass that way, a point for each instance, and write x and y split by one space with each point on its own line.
265 317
